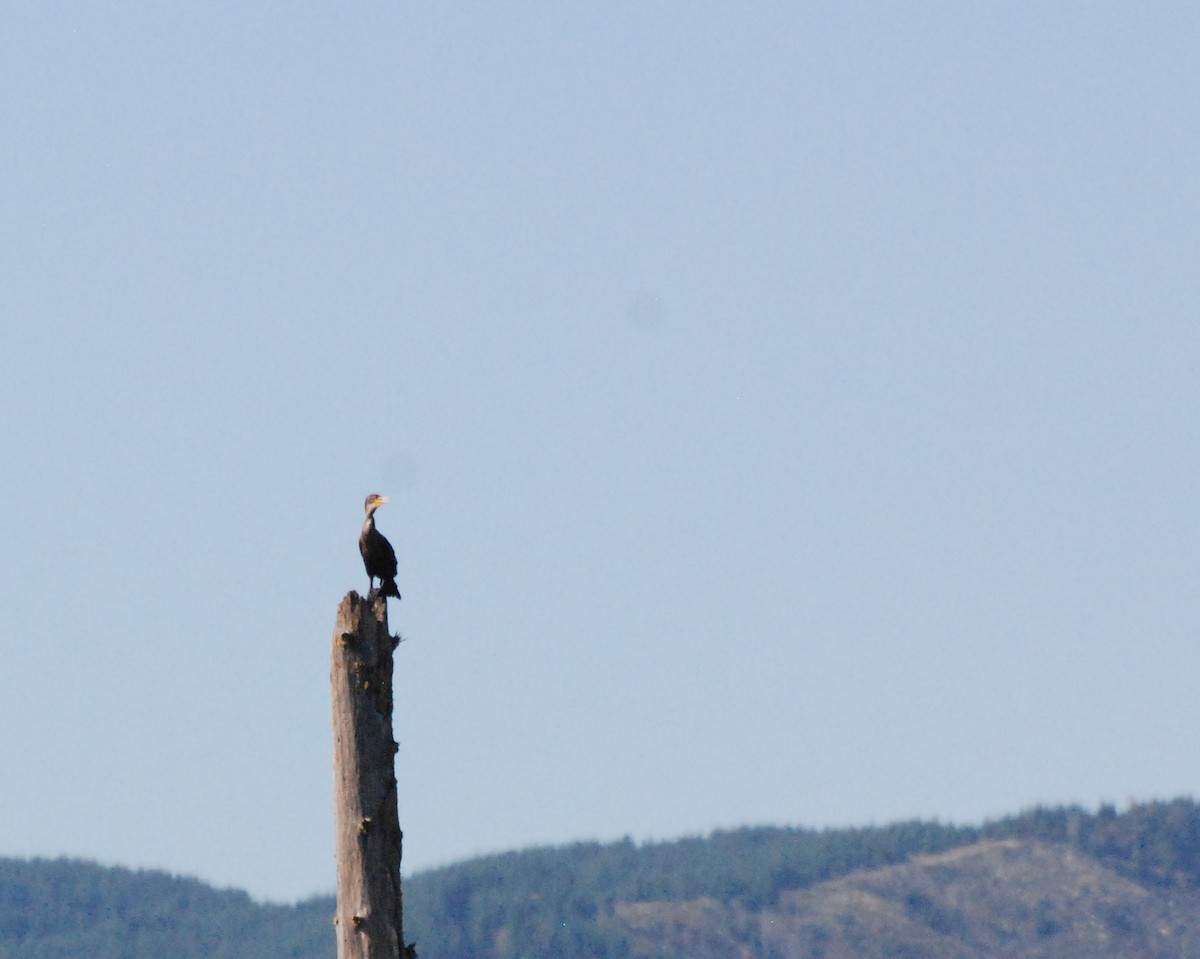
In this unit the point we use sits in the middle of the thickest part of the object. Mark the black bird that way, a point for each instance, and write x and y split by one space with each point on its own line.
378 556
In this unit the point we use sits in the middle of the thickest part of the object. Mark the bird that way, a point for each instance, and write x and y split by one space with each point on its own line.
378 556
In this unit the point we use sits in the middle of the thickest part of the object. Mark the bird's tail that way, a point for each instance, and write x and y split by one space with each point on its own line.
388 587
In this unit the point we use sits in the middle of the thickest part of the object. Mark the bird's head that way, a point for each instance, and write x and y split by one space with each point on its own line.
374 501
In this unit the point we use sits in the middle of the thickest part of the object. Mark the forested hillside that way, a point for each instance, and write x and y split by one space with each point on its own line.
582 900
63 909
560 902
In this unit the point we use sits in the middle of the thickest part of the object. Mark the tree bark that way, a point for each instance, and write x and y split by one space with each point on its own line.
369 918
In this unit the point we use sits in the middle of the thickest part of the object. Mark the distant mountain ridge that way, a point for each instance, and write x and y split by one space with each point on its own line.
64 908
1015 898
1052 882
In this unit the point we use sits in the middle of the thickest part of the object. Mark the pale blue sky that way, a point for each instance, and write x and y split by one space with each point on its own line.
789 413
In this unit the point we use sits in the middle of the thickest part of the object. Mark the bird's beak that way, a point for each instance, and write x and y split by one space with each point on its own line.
381 500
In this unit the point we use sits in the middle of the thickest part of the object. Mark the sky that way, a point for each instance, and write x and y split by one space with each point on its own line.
789 414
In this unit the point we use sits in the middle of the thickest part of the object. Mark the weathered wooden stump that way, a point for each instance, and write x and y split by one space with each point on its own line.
370 913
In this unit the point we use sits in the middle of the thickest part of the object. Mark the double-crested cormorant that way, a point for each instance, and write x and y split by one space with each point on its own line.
378 556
